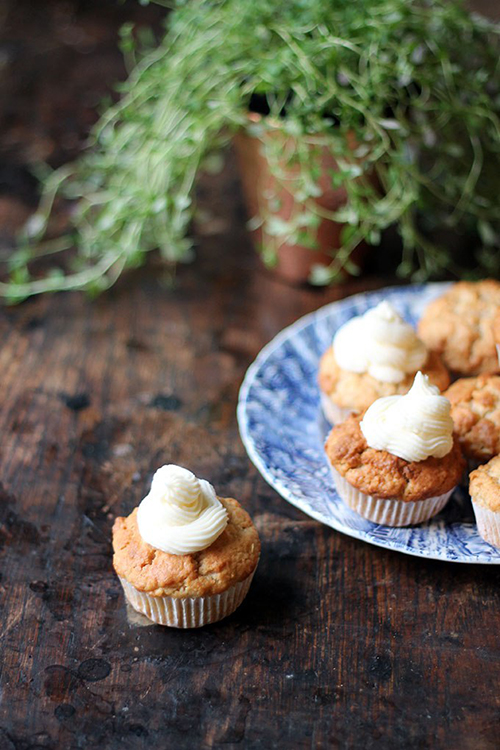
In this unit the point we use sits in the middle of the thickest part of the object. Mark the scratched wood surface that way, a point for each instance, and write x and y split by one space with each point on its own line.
338 644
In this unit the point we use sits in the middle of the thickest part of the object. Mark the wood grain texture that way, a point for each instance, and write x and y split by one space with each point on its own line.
338 644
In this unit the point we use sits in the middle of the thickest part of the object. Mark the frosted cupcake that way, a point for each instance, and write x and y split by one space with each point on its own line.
485 495
372 356
185 557
399 463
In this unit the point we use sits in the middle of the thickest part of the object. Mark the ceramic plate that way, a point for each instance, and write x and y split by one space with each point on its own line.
283 430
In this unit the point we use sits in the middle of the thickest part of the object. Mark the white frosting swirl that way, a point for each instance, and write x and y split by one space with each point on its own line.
414 426
181 514
380 343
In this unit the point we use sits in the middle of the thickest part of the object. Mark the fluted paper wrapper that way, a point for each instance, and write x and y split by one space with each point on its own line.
488 524
333 413
187 612
388 512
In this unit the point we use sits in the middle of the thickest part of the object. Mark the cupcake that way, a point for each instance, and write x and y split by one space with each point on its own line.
496 333
485 495
185 557
372 356
398 463
459 326
475 410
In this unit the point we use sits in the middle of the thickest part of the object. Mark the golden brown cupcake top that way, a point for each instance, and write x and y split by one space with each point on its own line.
383 475
229 560
475 410
357 391
484 485
459 326
496 327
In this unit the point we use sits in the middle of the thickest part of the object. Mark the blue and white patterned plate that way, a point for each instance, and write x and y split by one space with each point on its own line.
283 431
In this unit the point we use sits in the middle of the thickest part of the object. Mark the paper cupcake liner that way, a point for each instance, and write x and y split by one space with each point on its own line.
488 524
388 512
333 413
187 612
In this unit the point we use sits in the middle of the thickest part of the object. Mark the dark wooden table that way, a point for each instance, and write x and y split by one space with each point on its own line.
338 645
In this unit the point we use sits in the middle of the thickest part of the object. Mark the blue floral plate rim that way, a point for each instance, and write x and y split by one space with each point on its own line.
423 541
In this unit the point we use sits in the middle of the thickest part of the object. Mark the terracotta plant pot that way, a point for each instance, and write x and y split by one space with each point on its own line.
294 261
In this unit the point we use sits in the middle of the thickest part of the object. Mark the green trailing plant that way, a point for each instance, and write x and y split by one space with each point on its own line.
415 83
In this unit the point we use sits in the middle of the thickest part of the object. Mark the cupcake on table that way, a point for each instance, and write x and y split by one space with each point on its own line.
398 463
185 557
373 356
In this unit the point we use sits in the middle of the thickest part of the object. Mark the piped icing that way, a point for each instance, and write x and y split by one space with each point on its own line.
381 344
414 426
181 514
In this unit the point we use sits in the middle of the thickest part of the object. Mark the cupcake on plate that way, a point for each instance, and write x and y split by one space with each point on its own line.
185 557
475 410
373 355
398 463
459 326
484 490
